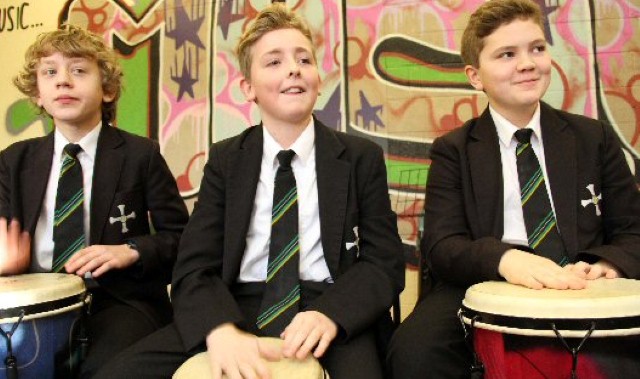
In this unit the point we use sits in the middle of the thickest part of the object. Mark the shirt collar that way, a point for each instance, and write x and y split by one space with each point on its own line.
88 143
506 129
303 146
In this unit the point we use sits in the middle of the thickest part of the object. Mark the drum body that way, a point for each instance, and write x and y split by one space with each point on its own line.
198 367
523 333
44 340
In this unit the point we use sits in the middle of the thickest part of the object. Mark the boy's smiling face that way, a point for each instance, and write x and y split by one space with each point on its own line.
70 90
284 78
515 69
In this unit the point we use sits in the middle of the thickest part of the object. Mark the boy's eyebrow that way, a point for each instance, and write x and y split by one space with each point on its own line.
278 50
511 47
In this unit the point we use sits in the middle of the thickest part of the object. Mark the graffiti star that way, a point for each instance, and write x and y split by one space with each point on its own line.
226 17
185 28
369 114
185 81
330 114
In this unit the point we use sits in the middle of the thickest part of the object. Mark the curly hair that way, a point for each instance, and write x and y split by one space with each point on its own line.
275 16
76 42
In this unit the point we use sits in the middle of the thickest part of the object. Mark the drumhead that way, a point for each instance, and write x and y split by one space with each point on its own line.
612 304
198 367
37 293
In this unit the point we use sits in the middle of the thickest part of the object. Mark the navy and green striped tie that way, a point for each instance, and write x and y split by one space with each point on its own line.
281 298
68 220
539 218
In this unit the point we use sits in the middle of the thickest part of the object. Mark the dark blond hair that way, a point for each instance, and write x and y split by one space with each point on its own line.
489 17
275 16
73 41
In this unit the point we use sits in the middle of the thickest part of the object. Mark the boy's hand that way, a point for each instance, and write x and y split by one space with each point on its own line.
600 269
98 259
239 355
15 248
308 330
534 271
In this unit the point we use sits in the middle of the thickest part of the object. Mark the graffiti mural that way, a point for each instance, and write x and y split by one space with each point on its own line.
391 72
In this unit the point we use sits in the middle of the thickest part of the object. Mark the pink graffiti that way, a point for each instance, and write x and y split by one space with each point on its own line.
176 109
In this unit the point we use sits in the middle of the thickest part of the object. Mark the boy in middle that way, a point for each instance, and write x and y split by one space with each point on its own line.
350 255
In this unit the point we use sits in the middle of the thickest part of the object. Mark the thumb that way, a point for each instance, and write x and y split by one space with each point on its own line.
269 351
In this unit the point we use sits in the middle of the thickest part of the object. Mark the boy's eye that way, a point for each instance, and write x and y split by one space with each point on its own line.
49 71
507 54
273 62
305 60
78 70
540 48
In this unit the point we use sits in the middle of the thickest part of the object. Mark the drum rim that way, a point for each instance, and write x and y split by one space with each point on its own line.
44 307
541 326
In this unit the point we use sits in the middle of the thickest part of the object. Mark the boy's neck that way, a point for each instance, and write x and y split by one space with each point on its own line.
286 134
519 117
74 133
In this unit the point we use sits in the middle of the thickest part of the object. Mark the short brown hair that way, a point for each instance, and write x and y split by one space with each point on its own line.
489 17
73 41
275 16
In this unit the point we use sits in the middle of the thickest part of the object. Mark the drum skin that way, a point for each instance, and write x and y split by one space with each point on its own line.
513 329
41 342
198 367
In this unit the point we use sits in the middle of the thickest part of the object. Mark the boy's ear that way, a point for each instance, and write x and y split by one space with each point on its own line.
474 77
247 89
107 97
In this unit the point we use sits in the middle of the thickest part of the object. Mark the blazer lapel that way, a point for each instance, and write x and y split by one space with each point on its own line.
333 187
106 175
35 178
561 163
243 167
485 167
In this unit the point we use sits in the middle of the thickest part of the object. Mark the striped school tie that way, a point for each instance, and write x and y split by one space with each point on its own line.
281 298
68 220
539 218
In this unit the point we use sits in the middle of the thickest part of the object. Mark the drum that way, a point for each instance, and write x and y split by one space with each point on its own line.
517 332
39 318
198 367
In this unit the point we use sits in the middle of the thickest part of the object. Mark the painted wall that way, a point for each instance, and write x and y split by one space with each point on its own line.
390 68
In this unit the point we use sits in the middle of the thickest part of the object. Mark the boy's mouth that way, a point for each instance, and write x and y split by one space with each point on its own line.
65 99
293 90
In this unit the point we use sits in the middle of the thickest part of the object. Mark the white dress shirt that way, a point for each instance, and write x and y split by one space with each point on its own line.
43 237
515 231
313 266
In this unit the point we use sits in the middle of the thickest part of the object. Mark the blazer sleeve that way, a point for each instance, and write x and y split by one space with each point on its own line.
620 210
5 179
168 215
201 300
365 291
451 250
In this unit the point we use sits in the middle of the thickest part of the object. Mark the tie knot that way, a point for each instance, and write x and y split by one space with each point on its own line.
72 149
285 157
523 135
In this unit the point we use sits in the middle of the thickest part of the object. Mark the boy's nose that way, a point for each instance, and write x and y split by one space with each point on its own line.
63 79
526 63
294 70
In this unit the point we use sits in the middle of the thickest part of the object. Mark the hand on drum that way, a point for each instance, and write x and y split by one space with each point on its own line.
308 331
536 272
600 269
98 259
15 248
238 354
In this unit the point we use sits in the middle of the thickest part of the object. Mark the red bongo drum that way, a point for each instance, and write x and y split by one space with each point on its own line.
517 332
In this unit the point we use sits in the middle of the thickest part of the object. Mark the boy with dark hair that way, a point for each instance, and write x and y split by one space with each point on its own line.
346 253
524 193
90 194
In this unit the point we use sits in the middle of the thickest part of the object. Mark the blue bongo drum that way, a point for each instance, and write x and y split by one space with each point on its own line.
40 323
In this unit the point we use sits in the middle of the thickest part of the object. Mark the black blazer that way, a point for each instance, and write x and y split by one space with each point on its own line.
129 171
464 201
352 191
